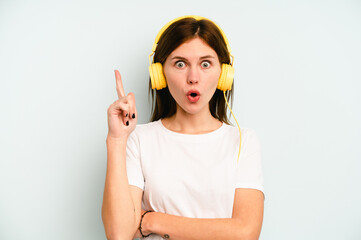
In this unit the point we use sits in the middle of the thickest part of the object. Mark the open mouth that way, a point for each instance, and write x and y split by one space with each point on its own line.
193 96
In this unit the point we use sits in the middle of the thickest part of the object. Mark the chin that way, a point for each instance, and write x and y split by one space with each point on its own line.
192 110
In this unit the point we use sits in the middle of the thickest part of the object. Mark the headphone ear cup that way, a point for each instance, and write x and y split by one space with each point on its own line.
226 78
156 76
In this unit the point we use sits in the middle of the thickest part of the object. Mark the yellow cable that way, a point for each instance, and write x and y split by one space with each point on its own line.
240 138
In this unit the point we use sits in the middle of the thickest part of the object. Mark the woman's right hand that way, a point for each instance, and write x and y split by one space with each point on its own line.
122 114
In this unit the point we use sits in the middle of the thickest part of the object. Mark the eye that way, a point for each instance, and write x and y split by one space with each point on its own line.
180 64
206 64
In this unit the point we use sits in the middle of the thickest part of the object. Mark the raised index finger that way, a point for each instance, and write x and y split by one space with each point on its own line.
119 84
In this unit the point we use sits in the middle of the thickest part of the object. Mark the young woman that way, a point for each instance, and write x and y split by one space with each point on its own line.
178 177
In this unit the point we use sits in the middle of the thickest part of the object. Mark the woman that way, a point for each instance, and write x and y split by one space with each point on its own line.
177 177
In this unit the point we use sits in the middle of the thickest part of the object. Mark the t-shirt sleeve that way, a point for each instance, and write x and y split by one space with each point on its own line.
134 168
249 168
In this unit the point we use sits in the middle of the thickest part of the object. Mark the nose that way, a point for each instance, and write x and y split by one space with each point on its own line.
193 75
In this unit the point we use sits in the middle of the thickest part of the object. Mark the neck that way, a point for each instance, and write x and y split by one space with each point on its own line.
200 123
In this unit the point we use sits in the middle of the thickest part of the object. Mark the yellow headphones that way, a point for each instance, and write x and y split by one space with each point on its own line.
156 69
225 79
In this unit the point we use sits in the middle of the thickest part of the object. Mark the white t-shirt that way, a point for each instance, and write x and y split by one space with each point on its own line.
192 175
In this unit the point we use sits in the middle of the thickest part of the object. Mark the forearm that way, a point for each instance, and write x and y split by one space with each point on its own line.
118 211
182 228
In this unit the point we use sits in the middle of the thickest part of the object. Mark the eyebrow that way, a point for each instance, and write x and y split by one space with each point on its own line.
182 58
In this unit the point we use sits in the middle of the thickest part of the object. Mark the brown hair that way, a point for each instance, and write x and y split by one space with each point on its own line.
163 104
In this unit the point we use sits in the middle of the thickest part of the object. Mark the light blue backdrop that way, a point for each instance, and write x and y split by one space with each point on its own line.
297 84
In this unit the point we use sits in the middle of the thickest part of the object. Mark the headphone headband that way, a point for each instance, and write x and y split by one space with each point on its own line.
188 16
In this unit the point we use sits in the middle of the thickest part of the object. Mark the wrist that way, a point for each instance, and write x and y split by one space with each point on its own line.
116 140
147 223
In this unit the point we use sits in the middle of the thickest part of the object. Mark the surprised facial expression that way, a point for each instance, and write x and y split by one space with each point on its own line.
192 71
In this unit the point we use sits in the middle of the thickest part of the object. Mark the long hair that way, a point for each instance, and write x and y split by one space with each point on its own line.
163 104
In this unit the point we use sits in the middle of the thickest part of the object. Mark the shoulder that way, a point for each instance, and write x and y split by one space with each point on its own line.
249 137
246 133
150 126
146 129
143 133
